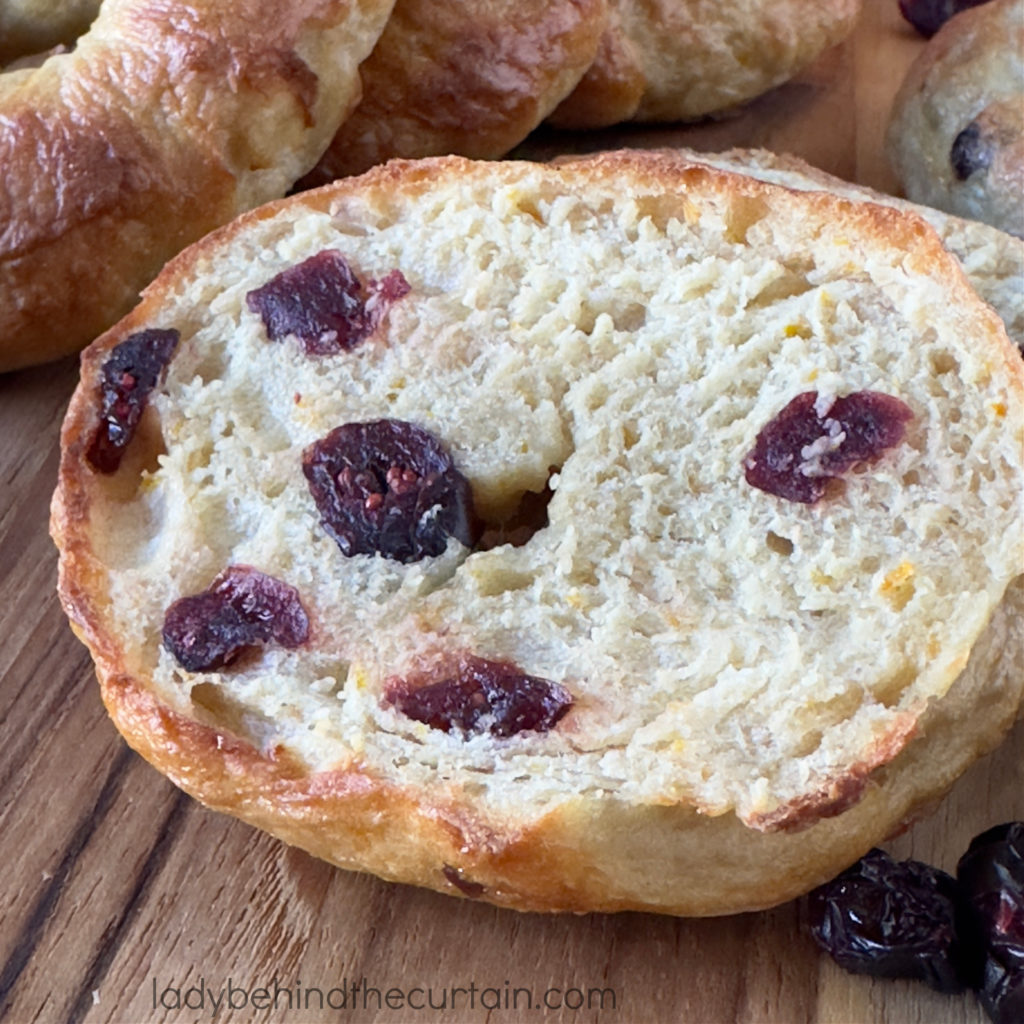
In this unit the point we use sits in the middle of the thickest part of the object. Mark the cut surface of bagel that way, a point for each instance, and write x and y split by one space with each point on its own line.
160 125
992 259
625 533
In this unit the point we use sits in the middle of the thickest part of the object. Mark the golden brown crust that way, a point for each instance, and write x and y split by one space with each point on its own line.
594 851
153 131
611 90
993 259
591 855
473 77
679 60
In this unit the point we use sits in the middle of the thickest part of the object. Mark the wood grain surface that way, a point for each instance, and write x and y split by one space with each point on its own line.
122 900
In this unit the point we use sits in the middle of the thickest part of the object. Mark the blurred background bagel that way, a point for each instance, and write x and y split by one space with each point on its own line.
164 121
679 60
956 135
32 26
472 77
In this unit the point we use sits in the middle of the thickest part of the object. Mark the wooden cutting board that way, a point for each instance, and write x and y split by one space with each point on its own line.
122 900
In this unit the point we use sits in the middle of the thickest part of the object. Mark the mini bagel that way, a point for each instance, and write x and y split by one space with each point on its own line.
679 60
164 122
956 135
473 77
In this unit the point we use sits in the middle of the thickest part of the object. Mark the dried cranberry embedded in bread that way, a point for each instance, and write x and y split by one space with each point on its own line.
242 608
389 487
132 370
476 695
322 303
891 919
474 890
972 151
928 16
815 439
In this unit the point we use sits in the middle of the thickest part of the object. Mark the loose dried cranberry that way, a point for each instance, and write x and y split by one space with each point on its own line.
991 879
476 695
130 373
324 304
811 442
928 16
971 152
389 487
891 919
242 608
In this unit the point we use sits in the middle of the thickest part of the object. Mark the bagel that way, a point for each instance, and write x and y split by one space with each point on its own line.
681 60
956 134
472 77
160 125
613 87
992 259
573 650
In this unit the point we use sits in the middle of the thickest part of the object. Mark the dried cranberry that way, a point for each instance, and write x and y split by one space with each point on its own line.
389 487
991 878
891 919
813 441
130 373
928 16
474 890
242 608
971 152
322 303
476 695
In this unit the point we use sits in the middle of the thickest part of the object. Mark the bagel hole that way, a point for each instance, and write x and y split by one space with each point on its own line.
521 522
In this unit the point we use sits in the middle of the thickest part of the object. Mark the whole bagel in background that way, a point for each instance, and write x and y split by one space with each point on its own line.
165 121
680 60
956 135
472 77
426 521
